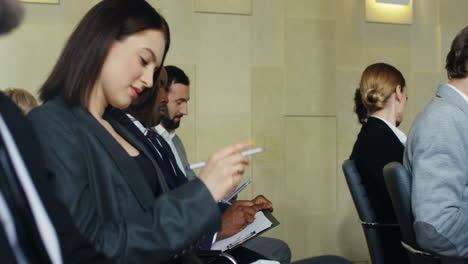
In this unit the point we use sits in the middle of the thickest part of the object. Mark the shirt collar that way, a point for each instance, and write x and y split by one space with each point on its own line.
138 124
164 133
459 92
400 135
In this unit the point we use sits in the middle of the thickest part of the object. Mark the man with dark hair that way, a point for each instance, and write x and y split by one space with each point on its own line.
178 93
437 157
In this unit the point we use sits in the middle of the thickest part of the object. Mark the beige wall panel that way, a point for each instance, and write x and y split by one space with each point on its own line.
349 30
425 48
426 13
451 12
311 164
310 235
310 67
386 35
398 57
347 125
388 43
222 92
351 241
318 9
425 86
73 11
267 92
242 7
269 134
267 32
267 109
28 68
223 59
448 33
270 181
215 133
180 17
425 37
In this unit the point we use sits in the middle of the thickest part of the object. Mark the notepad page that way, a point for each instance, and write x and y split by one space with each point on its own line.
258 225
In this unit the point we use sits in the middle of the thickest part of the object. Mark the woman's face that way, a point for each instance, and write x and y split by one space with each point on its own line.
129 67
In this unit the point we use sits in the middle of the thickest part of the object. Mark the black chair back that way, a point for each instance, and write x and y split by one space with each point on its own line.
365 211
398 181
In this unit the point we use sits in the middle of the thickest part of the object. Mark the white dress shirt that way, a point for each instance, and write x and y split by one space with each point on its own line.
459 92
143 130
168 136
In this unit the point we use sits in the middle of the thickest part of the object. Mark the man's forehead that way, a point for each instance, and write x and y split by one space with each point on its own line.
179 88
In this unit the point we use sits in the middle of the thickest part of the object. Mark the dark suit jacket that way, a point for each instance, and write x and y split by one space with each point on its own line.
108 195
375 147
75 249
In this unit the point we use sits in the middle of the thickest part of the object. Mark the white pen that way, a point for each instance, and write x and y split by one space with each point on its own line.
244 153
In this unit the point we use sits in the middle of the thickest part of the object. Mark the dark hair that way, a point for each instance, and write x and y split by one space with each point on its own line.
378 83
359 107
176 75
457 58
143 108
11 14
82 58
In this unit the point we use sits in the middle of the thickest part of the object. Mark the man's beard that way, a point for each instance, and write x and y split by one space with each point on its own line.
170 124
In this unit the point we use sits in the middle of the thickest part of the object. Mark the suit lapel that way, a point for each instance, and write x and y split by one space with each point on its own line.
127 166
182 155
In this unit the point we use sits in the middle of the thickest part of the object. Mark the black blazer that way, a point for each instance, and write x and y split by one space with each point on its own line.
75 249
375 147
108 195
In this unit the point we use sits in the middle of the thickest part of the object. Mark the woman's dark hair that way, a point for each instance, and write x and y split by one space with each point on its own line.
359 107
457 58
81 60
144 108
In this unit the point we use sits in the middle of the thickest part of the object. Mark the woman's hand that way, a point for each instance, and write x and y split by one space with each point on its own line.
224 169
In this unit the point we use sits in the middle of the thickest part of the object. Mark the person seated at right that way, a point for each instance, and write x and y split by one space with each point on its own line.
437 157
380 101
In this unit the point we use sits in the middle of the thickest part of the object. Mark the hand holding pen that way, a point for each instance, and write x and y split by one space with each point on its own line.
223 169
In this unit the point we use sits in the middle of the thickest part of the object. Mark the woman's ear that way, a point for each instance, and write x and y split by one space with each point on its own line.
399 93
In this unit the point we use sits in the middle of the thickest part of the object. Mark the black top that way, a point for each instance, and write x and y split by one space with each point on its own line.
148 171
376 146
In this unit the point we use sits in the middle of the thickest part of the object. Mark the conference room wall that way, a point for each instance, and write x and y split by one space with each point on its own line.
280 72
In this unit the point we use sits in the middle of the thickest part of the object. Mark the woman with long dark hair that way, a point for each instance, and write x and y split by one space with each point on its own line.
107 179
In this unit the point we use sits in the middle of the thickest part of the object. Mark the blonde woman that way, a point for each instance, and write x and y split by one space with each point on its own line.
380 101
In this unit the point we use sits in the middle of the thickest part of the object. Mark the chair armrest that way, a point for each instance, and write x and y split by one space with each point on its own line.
214 255
377 225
